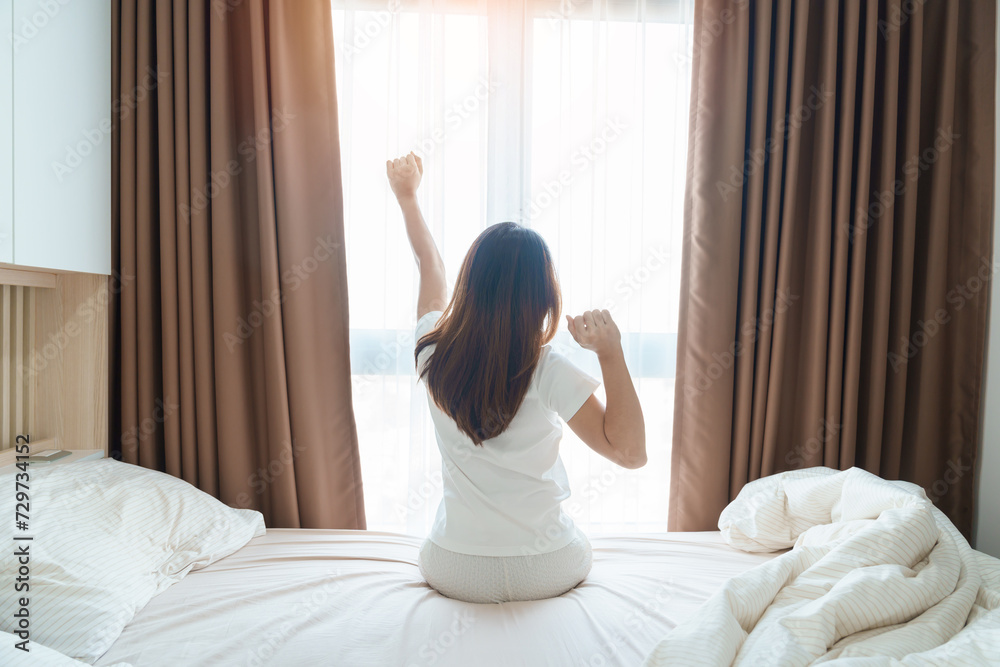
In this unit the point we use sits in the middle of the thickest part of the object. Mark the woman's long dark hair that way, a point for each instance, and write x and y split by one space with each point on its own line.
506 306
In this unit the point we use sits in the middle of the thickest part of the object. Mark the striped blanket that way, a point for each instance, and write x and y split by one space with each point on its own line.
876 575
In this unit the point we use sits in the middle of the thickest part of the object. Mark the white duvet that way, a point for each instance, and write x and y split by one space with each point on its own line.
877 576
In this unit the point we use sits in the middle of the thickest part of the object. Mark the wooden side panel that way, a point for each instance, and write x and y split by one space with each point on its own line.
15 275
70 362
17 346
54 368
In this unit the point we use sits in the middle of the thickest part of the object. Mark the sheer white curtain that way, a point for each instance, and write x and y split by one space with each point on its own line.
569 117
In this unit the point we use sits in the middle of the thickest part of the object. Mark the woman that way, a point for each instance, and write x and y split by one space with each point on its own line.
496 392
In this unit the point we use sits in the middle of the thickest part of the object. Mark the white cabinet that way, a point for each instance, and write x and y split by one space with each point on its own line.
6 134
60 118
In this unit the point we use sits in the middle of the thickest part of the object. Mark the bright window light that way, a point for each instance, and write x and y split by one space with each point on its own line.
576 127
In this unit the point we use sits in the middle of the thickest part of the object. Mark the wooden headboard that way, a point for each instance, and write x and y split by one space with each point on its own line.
17 318
54 340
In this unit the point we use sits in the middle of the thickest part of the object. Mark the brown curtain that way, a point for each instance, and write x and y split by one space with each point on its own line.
837 249
232 365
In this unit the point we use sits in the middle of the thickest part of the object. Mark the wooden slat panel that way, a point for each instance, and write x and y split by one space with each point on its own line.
54 374
5 384
29 385
18 343
71 370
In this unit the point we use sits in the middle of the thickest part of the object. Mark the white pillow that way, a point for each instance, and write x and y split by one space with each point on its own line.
11 656
107 537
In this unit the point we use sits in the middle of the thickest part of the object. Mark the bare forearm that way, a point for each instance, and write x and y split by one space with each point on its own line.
433 291
623 423
425 251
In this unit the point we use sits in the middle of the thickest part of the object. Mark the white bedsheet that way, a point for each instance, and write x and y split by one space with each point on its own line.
877 576
338 597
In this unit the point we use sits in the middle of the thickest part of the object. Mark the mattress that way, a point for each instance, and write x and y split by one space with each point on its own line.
343 597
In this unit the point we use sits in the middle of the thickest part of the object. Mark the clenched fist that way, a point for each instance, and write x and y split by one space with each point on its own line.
596 331
404 174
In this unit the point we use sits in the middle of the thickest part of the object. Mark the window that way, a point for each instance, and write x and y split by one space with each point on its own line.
567 117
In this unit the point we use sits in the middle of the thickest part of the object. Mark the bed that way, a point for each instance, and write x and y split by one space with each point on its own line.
340 597
130 567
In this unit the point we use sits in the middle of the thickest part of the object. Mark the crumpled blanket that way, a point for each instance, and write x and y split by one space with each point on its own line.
876 575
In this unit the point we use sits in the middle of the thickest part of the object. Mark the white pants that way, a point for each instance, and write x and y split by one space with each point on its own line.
487 579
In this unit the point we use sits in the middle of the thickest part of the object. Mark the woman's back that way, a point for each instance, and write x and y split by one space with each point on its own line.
497 393
502 498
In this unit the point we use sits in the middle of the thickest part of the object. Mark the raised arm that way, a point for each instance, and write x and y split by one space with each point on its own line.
404 177
617 432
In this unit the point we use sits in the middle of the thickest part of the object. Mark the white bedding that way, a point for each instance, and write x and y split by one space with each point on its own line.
338 597
37 655
105 537
877 576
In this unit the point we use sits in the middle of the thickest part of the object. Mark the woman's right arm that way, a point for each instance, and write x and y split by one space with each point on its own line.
404 177
617 432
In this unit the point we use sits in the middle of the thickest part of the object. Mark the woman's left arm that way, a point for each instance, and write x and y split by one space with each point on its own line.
404 177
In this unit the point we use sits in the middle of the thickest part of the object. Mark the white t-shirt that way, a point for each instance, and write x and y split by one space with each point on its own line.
503 498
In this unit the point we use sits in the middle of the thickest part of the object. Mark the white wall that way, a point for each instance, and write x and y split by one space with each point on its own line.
62 134
986 535
6 134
